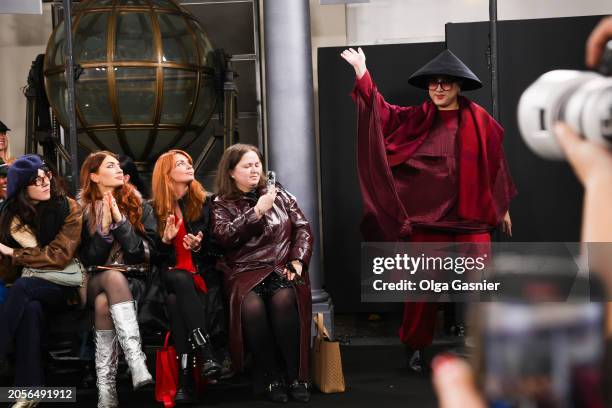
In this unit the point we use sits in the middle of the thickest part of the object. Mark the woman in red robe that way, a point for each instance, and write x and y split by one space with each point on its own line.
429 173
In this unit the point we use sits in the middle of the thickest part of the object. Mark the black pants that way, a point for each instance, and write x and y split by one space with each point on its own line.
184 307
22 320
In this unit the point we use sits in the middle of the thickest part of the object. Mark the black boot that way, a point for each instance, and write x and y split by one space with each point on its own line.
275 392
201 343
299 391
185 393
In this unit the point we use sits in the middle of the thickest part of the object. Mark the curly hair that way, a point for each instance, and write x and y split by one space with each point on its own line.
128 199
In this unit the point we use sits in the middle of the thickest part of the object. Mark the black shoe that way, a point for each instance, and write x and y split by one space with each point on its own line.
414 359
185 393
201 343
275 392
299 391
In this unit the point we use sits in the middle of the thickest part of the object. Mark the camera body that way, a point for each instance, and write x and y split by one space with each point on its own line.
581 99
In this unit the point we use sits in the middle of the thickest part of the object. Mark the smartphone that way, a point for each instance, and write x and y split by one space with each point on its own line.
271 178
533 353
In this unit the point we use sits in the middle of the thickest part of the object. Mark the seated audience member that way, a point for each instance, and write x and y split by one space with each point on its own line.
40 229
119 229
268 244
187 259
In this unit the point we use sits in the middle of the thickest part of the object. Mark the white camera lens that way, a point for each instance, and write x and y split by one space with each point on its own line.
581 99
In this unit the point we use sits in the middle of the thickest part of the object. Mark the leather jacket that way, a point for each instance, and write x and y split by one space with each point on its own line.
282 235
95 249
255 248
55 255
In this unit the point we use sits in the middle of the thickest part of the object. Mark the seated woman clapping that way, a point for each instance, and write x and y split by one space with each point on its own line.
118 236
188 257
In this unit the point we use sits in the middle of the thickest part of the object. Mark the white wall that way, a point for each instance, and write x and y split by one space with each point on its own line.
401 21
22 38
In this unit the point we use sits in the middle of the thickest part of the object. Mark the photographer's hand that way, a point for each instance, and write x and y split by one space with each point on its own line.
591 162
454 383
597 41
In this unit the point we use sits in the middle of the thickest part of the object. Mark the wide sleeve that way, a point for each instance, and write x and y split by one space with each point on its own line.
229 230
389 115
58 253
302 239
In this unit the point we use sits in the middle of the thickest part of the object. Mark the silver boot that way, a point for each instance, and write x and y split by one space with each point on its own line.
107 360
128 333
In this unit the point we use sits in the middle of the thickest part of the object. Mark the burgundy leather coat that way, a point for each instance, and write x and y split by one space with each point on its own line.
254 249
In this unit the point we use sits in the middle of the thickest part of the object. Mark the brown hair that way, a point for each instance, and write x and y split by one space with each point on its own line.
225 185
128 201
163 194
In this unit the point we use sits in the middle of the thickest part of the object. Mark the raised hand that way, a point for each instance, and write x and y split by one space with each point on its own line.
171 229
107 216
357 59
112 205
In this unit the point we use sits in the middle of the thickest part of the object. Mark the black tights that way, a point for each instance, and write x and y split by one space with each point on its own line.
184 307
103 290
269 322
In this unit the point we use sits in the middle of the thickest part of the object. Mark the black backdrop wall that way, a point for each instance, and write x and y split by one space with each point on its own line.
549 201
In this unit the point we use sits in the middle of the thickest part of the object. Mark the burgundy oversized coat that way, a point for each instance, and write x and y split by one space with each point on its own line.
388 136
255 248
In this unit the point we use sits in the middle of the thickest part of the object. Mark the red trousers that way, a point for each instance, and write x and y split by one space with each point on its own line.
419 321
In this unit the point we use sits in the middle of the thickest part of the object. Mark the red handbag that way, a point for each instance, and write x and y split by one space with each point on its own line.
166 374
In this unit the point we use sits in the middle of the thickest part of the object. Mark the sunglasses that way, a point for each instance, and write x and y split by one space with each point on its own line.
445 84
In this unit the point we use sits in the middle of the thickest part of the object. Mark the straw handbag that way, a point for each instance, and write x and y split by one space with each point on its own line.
327 372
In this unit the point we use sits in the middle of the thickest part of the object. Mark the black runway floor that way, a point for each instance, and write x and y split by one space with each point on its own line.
373 362
374 378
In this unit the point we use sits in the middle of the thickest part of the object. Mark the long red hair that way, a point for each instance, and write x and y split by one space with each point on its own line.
128 200
163 193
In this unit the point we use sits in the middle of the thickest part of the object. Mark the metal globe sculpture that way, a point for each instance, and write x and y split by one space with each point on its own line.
145 76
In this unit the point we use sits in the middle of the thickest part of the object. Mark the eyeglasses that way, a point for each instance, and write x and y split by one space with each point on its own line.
40 180
446 84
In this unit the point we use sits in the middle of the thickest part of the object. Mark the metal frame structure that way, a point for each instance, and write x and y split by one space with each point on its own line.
159 64
257 59
224 79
